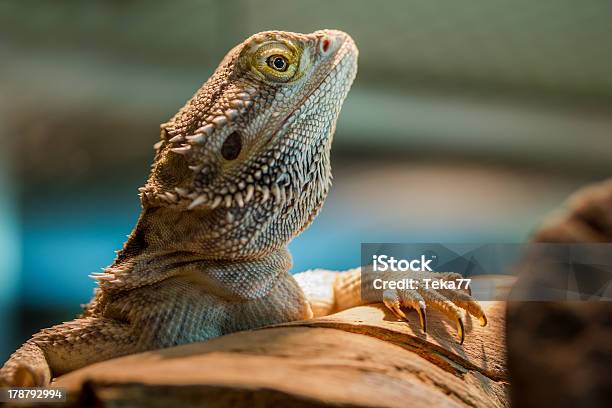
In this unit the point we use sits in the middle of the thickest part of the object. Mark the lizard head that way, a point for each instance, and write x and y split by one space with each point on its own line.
248 155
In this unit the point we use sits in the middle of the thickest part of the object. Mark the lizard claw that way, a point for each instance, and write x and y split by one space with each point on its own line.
460 330
451 302
391 300
422 316
420 308
394 300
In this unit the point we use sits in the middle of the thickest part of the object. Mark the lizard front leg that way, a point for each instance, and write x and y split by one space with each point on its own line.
329 292
66 347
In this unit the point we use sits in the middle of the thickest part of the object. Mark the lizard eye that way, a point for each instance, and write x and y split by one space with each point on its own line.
232 146
278 62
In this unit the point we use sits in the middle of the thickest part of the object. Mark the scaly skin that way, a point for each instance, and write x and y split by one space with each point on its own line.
239 171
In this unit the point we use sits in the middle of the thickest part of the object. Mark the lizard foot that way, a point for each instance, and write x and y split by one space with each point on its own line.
447 296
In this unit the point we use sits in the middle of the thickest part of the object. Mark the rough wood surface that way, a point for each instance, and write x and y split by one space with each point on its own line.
359 357
482 351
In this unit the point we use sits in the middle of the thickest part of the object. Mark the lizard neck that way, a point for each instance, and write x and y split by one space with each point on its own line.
192 235
162 247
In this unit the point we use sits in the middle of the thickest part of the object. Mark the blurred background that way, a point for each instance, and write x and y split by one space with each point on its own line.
468 122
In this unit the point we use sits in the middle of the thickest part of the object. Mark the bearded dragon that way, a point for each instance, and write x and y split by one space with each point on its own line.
239 171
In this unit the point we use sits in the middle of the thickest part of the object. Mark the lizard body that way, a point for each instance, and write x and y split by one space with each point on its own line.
239 171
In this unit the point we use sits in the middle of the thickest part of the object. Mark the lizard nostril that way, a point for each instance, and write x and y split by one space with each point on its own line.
325 44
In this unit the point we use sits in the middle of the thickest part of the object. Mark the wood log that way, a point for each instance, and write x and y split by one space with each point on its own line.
360 357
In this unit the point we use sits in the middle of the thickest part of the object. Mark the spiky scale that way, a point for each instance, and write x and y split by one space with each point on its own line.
198 138
237 104
239 200
198 201
181 191
231 114
250 189
181 150
206 129
219 121
172 197
265 192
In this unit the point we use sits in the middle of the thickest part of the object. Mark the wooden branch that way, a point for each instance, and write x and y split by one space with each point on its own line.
360 357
